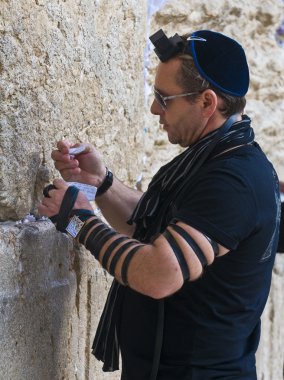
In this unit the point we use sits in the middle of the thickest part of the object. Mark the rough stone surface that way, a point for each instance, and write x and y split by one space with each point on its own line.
270 355
37 288
52 295
68 69
74 69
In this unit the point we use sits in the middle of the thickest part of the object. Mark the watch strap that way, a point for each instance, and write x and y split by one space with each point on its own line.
106 183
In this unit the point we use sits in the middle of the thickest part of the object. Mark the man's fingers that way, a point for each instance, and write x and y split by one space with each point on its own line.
57 155
47 189
63 146
62 151
50 205
44 210
70 164
70 174
55 190
60 184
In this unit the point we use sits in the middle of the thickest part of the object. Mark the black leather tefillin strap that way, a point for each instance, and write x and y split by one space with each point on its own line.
47 189
66 210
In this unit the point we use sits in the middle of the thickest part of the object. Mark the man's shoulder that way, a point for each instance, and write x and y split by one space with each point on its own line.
242 160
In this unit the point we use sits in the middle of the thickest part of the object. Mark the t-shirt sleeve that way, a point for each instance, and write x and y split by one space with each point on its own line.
221 204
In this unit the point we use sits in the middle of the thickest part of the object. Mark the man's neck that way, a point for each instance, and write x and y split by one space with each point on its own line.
216 121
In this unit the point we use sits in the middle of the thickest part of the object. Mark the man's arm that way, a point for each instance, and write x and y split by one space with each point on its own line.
159 269
117 205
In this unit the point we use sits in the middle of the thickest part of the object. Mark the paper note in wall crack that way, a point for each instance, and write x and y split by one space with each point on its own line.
89 190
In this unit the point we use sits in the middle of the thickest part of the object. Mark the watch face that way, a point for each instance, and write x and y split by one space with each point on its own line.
74 226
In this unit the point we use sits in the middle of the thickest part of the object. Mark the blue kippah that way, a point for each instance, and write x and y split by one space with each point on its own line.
221 61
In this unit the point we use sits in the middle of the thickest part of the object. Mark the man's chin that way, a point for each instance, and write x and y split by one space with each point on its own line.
175 141
172 140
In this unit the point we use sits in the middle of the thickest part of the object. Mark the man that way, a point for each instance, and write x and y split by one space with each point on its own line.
192 257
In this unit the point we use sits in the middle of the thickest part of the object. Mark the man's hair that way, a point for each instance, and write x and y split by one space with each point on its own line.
190 80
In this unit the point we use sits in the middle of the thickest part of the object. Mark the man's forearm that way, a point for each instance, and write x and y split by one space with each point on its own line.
117 205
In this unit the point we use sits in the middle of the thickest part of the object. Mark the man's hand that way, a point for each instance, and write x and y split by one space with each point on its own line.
86 167
50 205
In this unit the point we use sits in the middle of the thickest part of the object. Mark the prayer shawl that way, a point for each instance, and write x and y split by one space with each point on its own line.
149 215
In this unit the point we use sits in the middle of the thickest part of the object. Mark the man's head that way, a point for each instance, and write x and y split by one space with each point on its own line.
219 59
209 65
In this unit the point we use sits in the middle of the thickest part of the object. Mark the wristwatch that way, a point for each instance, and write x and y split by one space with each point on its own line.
106 183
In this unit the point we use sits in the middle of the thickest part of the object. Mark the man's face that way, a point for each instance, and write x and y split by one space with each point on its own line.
181 119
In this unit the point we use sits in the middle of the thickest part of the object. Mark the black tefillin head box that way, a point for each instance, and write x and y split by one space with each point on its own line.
165 47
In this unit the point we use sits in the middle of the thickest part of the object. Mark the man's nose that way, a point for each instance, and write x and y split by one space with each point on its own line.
155 108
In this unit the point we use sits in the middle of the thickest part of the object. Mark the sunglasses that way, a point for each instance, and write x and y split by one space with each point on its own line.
161 100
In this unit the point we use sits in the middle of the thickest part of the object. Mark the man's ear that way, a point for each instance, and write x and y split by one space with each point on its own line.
209 101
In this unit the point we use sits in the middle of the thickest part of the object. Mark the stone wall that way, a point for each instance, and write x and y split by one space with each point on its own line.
270 355
68 69
74 69
51 297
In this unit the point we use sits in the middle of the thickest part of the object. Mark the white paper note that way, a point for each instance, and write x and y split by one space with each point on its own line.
77 150
89 190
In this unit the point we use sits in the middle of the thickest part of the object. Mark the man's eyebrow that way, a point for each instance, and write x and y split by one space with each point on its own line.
164 93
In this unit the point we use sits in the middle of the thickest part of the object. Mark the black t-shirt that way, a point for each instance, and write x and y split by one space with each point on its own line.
212 325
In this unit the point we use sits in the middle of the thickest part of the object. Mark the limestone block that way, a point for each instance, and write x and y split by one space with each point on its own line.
270 355
51 298
254 25
36 289
69 69
92 287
